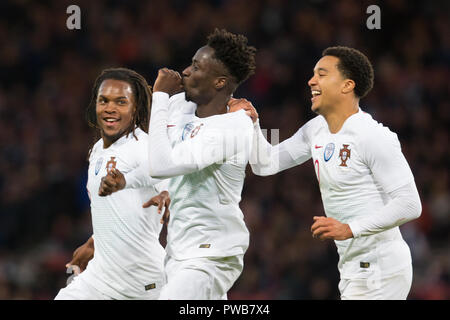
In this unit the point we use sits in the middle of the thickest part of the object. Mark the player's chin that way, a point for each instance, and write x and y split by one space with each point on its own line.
112 135
187 95
315 107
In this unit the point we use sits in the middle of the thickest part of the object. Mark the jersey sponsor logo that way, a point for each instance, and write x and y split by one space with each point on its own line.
344 154
328 152
98 165
111 164
317 147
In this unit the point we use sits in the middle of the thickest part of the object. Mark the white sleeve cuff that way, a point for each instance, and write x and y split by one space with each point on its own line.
355 228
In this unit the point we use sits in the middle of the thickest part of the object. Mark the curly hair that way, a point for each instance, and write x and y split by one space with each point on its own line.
142 96
353 65
232 50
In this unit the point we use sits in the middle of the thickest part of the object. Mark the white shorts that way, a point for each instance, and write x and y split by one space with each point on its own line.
392 287
80 289
200 278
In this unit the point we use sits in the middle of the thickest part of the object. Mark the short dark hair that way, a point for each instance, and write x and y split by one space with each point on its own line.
142 96
354 65
232 50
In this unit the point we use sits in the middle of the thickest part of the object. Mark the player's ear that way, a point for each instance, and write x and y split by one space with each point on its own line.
348 86
220 83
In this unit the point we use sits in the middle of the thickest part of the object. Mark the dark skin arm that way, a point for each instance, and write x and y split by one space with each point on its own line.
82 255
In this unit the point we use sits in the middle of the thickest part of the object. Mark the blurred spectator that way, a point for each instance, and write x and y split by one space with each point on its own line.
47 71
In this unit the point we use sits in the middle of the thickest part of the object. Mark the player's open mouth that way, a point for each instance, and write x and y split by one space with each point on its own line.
110 121
315 93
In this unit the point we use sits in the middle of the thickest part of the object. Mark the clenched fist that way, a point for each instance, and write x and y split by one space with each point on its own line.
168 81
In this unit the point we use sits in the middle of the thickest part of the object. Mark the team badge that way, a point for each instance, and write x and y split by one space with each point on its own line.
196 130
187 128
111 164
344 154
328 152
98 165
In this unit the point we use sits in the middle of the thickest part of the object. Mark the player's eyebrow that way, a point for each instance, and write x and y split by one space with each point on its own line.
320 69
109 97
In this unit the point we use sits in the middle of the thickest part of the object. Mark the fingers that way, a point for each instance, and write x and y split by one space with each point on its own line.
169 72
321 228
149 203
320 232
238 104
234 101
73 268
112 182
165 217
107 185
160 206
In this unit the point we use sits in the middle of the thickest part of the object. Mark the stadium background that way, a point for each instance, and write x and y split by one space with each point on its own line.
46 76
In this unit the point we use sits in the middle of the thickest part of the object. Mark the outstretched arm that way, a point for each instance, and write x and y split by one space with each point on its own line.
134 179
267 160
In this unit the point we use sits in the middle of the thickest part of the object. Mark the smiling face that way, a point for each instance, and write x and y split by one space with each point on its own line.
115 107
202 78
327 85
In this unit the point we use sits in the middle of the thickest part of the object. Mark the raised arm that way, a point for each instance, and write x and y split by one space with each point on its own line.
195 153
164 162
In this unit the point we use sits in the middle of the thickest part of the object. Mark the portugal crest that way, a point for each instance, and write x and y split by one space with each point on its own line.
344 154
111 164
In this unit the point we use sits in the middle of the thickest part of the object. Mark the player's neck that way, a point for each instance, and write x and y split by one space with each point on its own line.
337 117
217 105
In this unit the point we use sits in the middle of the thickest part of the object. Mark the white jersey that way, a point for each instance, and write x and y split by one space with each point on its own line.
209 157
128 257
356 168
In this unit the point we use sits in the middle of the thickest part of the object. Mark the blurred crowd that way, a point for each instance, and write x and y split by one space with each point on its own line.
47 72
